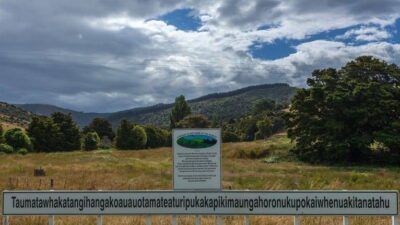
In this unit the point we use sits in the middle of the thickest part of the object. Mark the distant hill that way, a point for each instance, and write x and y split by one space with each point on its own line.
13 116
221 106
81 118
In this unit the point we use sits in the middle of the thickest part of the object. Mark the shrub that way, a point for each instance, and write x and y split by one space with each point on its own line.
1 133
194 121
228 136
156 137
22 151
91 141
6 148
17 139
130 136
139 137
105 143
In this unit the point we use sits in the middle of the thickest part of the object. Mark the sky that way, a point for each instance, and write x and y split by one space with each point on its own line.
104 56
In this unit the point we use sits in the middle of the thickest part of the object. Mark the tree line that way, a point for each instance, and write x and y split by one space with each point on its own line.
60 133
346 115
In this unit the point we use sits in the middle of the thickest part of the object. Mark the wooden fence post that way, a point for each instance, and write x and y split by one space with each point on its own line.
174 220
6 220
246 220
395 220
345 220
99 220
197 220
296 220
148 220
51 220
219 220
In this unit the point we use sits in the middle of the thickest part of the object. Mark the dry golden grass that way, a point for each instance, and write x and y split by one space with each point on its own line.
152 169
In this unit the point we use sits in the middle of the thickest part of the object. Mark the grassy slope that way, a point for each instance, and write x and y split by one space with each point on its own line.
12 116
152 169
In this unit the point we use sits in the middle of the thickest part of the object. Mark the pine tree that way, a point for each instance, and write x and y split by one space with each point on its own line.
101 126
180 110
45 134
69 130
123 135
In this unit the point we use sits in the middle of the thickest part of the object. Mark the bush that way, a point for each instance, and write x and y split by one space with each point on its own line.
194 121
17 139
1 133
130 136
156 137
139 137
251 153
228 136
91 141
22 151
6 148
168 138
105 143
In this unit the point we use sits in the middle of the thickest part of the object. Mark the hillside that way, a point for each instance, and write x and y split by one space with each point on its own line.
81 118
13 116
220 106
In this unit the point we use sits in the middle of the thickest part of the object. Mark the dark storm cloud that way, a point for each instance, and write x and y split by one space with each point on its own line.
249 12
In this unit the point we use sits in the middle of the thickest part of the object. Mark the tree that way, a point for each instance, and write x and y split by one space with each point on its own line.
102 127
247 126
45 134
17 139
69 130
180 110
194 121
156 137
123 135
91 141
263 105
138 138
130 136
264 128
344 111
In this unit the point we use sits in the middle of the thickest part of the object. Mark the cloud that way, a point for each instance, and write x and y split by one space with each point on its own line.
101 56
366 34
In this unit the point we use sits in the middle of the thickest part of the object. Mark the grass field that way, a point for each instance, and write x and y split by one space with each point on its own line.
260 165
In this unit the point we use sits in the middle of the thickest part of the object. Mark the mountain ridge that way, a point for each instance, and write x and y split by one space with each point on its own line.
158 114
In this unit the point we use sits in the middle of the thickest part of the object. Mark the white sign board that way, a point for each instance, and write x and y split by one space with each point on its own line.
200 203
197 159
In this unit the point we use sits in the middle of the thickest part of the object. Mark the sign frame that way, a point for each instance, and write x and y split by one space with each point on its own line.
206 192
220 158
